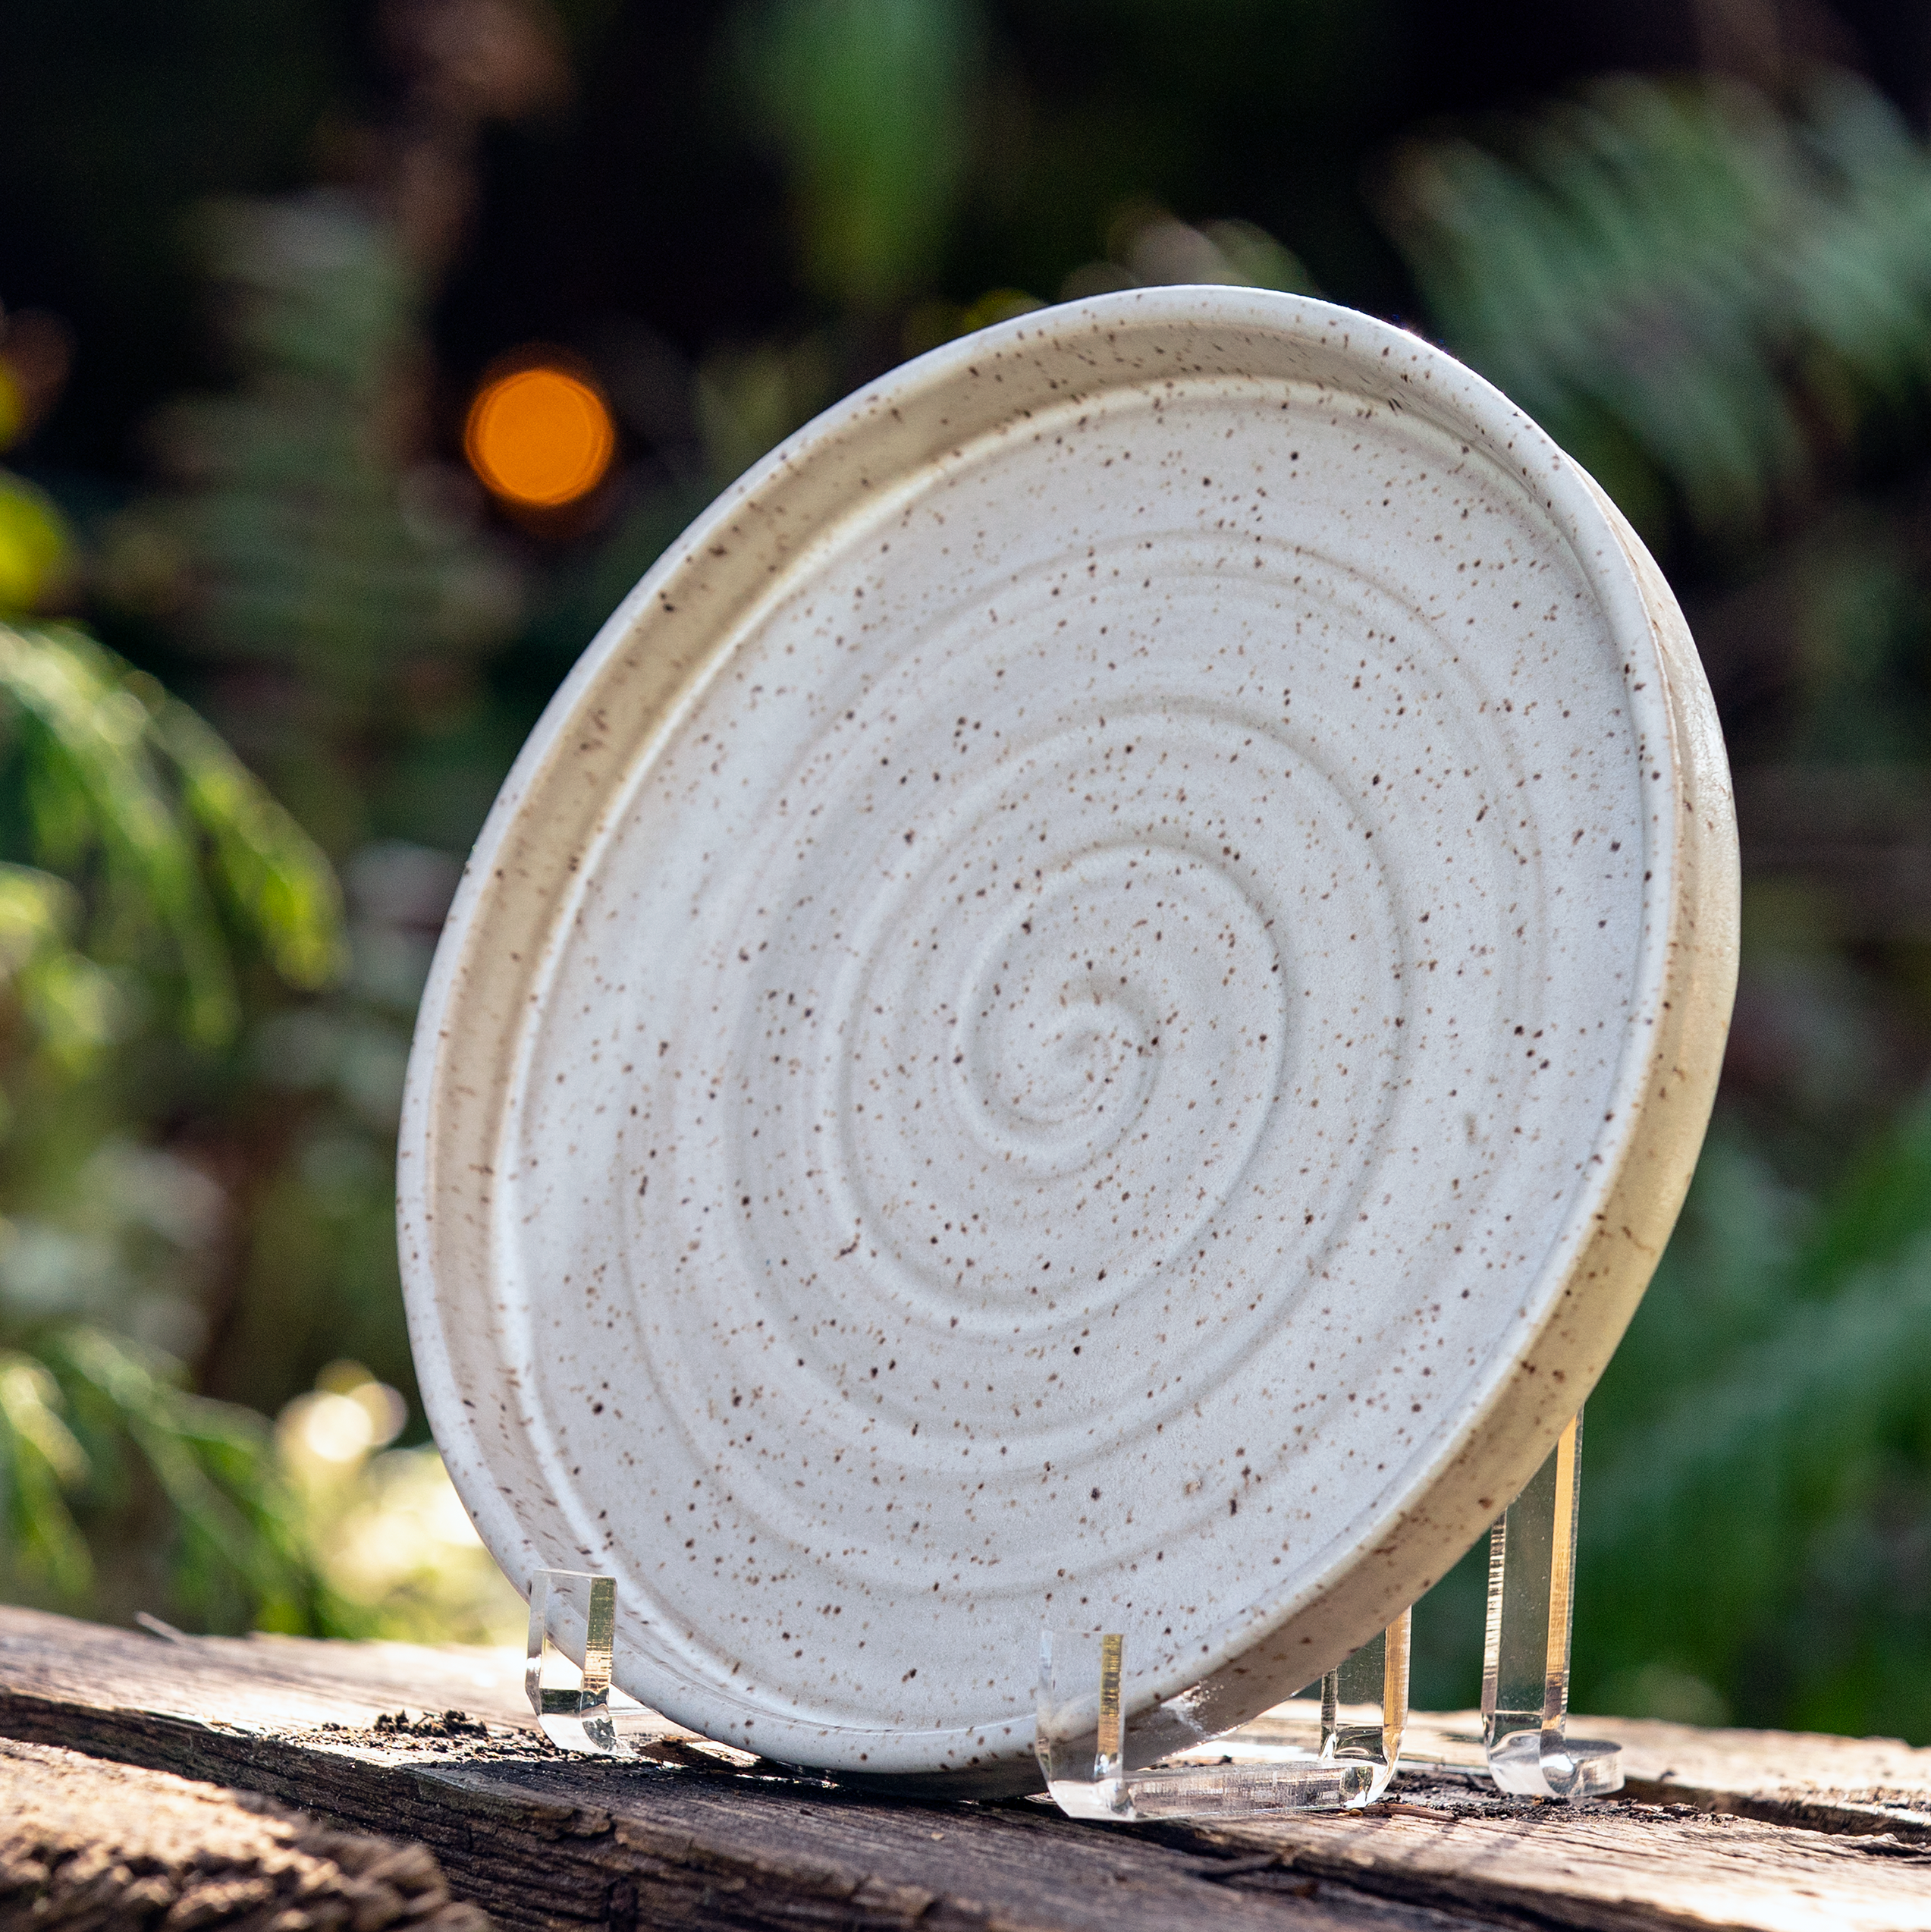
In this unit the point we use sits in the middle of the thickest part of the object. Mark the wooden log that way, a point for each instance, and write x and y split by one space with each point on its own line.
685 1838
85 1844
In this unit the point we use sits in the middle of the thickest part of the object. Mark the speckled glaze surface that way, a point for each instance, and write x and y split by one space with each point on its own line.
1092 1006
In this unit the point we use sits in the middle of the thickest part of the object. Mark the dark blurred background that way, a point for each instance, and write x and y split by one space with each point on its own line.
358 357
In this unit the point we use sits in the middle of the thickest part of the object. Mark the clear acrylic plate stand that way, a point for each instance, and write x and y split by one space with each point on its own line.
1335 1750
1525 1649
1338 1753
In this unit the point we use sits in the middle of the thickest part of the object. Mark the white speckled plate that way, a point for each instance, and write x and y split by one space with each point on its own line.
1091 1006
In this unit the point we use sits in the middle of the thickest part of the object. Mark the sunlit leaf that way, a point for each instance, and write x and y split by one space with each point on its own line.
40 1463
33 544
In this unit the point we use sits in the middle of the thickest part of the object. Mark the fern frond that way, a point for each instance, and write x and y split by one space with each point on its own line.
74 1005
1679 270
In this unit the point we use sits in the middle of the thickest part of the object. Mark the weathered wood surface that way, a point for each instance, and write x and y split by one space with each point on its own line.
85 1845
1719 1831
1875 1785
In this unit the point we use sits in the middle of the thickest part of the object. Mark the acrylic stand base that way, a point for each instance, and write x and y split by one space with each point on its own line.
1572 1768
1337 1754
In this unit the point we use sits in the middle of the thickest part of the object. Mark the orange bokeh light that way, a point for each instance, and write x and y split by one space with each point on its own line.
539 437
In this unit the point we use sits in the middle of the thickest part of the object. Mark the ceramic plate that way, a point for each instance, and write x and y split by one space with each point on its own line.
1092 1006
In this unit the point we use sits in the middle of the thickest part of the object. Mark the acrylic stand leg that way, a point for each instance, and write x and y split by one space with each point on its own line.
1525 1663
1339 1759
572 1705
1364 1704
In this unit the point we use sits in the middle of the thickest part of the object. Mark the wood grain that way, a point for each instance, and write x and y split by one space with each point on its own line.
538 1839
1874 1785
84 1845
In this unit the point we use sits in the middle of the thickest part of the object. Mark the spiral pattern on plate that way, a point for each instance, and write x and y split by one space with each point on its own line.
1065 1055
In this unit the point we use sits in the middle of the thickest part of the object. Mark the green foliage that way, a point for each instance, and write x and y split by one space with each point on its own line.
1724 309
32 543
272 873
91 1417
870 100
123 784
70 1003
305 536
1686 288
310 555
147 858
1757 1481
1722 306
40 1461
1759 1487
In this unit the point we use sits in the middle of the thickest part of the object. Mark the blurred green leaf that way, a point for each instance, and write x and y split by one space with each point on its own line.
116 769
40 1463
34 545
1880 1207
275 877
135 813
237 1542
1765 1414
870 102
92 781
